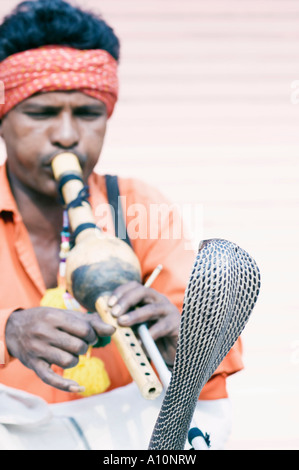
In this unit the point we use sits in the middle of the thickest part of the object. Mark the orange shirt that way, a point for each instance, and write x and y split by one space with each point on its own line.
22 285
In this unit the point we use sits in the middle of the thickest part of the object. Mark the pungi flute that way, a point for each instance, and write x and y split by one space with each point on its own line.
96 265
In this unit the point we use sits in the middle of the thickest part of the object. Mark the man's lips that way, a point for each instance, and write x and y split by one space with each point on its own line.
48 161
48 170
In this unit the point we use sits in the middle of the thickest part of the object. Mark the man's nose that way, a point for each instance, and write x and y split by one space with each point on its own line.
65 133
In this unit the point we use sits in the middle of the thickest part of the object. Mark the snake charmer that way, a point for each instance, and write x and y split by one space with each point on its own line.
61 86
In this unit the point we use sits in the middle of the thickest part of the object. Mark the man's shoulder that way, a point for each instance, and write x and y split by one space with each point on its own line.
132 187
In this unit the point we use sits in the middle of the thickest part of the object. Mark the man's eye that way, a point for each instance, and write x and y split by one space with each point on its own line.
89 114
39 115
82 114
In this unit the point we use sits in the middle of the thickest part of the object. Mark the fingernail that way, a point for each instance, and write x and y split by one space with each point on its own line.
112 301
116 310
76 389
124 320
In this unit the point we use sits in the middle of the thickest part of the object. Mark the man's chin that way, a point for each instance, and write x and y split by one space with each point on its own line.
47 188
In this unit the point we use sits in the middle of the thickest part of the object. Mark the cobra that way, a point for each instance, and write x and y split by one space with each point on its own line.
222 291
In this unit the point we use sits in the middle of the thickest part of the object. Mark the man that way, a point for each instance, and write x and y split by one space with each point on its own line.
60 78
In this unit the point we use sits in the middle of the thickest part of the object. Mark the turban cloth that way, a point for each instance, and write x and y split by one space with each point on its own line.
59 68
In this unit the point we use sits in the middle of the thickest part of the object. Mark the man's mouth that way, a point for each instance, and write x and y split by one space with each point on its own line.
47 164
48 169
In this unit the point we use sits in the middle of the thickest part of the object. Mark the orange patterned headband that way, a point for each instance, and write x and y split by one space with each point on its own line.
59 68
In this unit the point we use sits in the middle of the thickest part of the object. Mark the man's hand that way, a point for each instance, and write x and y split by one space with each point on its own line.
42 336
133 303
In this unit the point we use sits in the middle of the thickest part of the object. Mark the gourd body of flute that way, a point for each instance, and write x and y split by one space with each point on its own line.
97 266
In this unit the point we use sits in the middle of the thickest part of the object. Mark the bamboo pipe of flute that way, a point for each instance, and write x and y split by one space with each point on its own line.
96 265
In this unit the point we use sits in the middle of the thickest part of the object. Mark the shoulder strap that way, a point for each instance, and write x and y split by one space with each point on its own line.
118 216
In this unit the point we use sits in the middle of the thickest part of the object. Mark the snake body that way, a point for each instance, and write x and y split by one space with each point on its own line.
220 296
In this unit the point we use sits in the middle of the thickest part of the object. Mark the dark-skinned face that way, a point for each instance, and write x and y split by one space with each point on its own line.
46 124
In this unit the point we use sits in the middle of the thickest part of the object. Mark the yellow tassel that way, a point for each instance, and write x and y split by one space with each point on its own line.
90 372
54 298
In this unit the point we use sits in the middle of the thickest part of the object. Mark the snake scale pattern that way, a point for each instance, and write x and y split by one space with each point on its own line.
220 296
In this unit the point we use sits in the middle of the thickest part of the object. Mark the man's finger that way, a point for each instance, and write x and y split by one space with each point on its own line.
71 344
99 326
47 375
142 314
120 291
131 298
60 358
163 328
74 323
